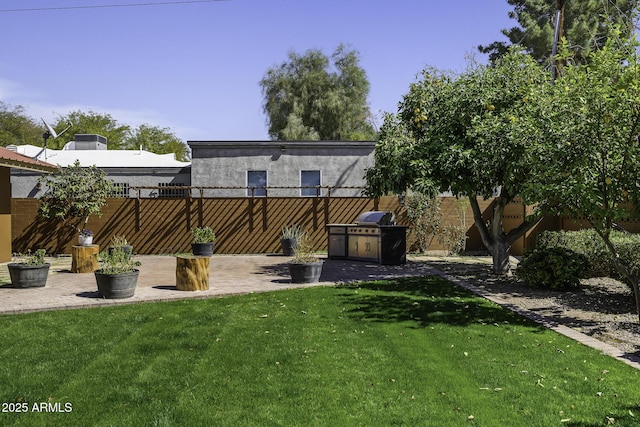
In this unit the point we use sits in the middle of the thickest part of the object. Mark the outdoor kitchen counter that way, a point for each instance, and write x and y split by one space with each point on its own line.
383 244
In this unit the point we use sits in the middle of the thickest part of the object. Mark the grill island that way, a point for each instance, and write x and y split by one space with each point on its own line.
374 237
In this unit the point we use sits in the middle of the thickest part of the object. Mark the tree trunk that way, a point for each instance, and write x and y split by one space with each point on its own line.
84 258
192 273
497 242
622 269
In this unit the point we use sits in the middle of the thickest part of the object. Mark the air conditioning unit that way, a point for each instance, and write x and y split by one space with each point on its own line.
84 141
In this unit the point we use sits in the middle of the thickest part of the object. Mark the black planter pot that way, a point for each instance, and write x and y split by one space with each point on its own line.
116 286
28 276
306 272
202 249
288 245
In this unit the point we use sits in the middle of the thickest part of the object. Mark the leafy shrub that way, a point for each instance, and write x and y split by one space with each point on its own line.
590 244
203 235
585 242
423 213
558 269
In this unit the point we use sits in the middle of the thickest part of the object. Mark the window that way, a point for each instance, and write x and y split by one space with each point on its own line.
308 181
120 189
171 192
256 181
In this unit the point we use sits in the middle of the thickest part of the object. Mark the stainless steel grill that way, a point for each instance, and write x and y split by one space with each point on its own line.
374 237
377 218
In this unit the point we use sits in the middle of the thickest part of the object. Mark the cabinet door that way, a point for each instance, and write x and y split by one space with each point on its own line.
371 248
337 245
354 244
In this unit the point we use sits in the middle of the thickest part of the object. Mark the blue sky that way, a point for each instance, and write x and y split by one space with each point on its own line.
195 68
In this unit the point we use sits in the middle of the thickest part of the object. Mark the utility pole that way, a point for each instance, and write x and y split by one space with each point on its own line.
557 36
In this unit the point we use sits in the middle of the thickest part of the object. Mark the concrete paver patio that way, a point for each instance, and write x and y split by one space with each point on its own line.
228 275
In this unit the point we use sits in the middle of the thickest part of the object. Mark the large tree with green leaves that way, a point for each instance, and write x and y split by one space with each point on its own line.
314 97
94 123
458 134
157 140
583 135
18 128
121 136
585 24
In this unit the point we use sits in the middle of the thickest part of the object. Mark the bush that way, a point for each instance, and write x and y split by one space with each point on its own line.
590 244
558 269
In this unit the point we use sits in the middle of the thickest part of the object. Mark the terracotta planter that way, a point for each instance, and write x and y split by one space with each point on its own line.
116 286
28 276
307 272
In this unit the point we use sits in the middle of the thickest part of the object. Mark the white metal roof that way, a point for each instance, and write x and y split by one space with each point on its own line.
102 158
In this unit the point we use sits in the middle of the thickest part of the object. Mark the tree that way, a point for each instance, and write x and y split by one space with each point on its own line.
583 134
459 134
585 26
313 97
157 140
75 193
18 128
122 137
93 123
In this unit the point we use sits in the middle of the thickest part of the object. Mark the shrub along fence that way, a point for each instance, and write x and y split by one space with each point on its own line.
242 224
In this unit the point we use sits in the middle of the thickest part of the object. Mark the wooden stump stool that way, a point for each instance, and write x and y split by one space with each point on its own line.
192 272
84 259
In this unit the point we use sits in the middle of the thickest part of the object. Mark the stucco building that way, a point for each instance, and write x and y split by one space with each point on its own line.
127 168
313 165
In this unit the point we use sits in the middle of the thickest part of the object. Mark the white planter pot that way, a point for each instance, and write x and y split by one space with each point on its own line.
85 240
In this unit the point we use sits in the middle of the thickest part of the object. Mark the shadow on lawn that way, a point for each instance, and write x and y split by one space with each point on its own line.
347 271
425 301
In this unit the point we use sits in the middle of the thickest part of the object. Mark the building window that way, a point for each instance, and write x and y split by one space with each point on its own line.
309 180
256 181
120 189
171 192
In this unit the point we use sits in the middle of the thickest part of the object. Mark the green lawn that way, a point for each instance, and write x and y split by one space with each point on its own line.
414 352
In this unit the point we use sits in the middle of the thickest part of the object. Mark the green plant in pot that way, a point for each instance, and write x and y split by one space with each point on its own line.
72 195
305 266
290 237
30 271
203 241
119 241
117 276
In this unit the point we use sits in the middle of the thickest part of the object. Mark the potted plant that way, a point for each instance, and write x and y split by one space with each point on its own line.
120 242
31 272
203 241
305 266
85 238
73 194
290 237
117 276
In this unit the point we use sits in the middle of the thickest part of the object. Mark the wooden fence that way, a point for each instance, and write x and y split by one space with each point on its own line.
157 226
242 225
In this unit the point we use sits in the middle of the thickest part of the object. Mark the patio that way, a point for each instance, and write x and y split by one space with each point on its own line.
228 275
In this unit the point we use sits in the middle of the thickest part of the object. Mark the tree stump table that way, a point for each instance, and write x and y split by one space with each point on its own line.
84 258
192 272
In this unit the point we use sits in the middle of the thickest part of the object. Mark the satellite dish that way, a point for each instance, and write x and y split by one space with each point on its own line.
50 132
50 129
